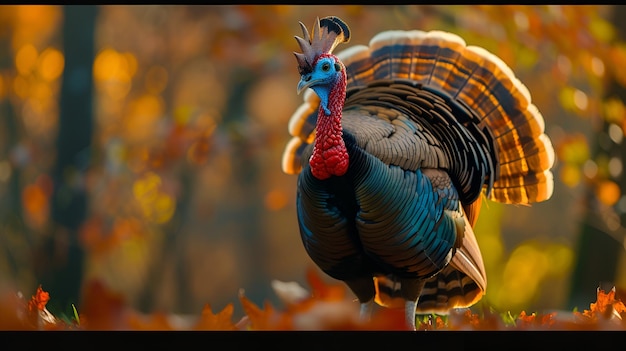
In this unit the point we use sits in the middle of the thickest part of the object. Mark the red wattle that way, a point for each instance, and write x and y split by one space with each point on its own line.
330 156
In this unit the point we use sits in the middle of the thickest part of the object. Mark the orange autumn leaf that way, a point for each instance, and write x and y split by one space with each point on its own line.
605 306
523 317
106 310
38 315
155 321
322 290
534 320
264 319
12 312
216 321
39 300
548 319
606 301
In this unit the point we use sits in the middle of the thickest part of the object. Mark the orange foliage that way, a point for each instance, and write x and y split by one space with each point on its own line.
156 321
605 308
325 308
39 300
35 204
99 240
216 321
264 318
535 321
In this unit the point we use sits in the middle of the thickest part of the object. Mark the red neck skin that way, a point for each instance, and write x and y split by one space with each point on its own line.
330 156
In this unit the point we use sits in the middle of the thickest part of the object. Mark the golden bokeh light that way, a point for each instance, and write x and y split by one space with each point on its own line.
590 169
570 175
608 192
109 64
25 59
141 121
597 66
615 112
51 64
615 167
147 187
34 22
156 205
581 101
615 133
521 21
163 208
522 274
41 91
574 149
561 258
113 72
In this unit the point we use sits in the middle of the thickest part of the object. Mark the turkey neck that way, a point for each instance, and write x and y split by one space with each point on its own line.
330 156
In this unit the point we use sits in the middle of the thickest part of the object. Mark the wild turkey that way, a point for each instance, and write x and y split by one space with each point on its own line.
396 150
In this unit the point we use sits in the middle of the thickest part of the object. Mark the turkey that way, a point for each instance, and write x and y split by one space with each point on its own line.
395 147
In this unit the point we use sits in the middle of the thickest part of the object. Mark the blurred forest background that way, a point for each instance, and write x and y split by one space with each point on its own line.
140 146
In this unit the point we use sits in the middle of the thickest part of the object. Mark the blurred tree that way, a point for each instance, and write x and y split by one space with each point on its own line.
60 256
11 204
599 246
247 171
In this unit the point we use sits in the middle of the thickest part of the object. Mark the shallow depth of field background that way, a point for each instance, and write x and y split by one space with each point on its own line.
140 146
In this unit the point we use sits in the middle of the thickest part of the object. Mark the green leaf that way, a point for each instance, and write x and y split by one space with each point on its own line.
76 317
509 319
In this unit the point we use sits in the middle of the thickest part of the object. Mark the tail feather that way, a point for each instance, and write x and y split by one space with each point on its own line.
473 76
302 128
449 289
535 187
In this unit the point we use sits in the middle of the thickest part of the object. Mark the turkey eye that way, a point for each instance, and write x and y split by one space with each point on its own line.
325 67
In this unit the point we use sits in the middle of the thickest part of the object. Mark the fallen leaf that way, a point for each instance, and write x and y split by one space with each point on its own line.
103 309
264 319
605 307
154 321
212 321
39 300
323 291
13 312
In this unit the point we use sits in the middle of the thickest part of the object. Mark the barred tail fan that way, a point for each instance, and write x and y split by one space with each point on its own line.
479 79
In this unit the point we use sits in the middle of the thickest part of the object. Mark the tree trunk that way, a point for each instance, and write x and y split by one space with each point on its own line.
61 255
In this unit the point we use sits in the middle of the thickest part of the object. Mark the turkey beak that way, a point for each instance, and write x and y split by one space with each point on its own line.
306 82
